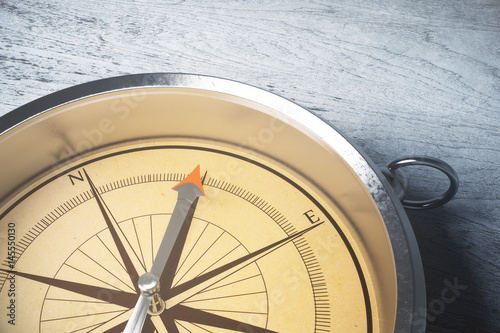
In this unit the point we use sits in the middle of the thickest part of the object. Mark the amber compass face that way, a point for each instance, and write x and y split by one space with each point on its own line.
261 252
180 209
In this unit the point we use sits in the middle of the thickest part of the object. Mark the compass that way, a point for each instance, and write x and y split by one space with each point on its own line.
185 203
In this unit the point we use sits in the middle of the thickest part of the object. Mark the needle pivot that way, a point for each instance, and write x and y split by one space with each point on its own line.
149 283
150 286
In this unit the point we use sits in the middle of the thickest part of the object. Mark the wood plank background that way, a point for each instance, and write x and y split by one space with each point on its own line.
399 77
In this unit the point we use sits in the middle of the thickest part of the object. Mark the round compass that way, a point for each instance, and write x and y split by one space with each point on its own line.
183 203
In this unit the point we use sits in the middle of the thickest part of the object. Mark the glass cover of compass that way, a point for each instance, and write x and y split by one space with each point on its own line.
185 203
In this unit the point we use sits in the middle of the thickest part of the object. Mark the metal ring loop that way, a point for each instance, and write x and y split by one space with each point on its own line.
433 163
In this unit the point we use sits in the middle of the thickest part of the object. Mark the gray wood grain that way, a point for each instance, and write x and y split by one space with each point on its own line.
399 77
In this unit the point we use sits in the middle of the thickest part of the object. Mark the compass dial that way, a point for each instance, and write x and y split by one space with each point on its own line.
70 267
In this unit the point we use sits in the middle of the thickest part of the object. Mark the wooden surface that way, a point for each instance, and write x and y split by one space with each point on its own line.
399 77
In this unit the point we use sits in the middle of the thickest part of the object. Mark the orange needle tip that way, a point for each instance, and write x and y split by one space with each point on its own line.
193 178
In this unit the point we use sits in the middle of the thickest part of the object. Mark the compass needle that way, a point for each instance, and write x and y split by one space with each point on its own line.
189 190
